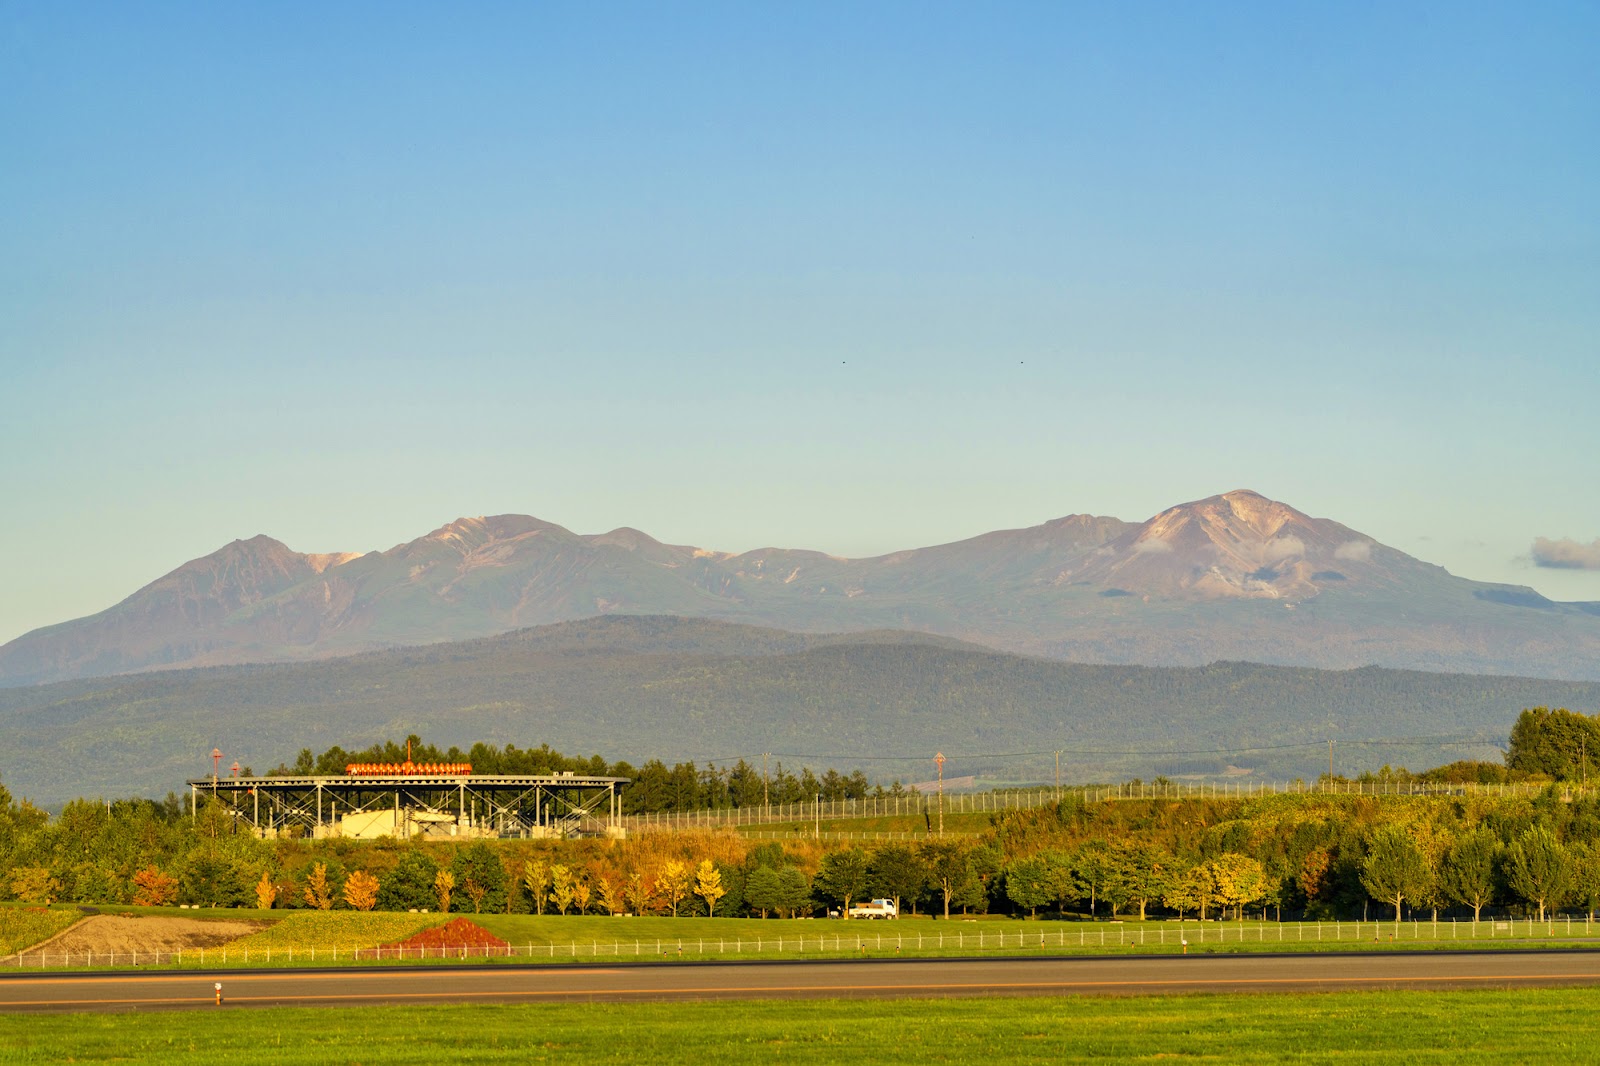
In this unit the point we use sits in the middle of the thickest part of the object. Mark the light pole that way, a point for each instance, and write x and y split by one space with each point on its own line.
816 819
938 760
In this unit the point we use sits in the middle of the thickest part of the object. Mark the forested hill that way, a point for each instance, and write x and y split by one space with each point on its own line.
639 688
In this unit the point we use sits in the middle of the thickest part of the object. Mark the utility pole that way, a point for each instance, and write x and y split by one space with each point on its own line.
765 801
1330 763
938 761
1058 776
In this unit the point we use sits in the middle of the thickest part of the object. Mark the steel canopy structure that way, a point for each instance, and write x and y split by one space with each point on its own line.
416 804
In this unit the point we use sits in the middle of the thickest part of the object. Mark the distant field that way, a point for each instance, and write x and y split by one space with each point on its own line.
1401 1027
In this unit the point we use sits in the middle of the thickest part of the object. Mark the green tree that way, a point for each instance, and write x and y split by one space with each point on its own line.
1092 868
843 876
1538 868
794 891
1467 874
481 875
1394 869
896 873
1190 890
409 886
1559 743
1585 863
946 863
1140 874
1028 883
762 890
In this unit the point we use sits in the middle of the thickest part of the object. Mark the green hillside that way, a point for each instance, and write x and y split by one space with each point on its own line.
638 688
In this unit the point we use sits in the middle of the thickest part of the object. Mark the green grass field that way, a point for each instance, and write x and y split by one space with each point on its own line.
300 938
1539 1026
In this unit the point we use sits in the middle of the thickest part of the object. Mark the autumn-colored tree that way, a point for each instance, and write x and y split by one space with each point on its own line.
708 885
1239 879
35 884
1313 874
444 883
266 892
582 892
535 878
361 890
475 892
152 888
673 882
611 894
317 892
639 892
561 882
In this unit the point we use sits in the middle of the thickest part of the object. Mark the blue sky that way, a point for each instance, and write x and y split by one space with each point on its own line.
850 277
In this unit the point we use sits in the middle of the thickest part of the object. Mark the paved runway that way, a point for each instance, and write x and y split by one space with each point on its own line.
790 980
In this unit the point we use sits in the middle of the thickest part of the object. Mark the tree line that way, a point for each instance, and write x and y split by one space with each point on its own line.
1311 855
652 787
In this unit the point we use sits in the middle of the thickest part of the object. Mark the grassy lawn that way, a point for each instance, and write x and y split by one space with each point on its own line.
1537 1026
299 938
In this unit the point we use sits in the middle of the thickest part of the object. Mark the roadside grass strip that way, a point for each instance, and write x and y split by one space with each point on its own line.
342 938
1410 1027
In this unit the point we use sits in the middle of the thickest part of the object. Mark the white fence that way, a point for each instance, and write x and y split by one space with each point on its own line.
851 939
930 804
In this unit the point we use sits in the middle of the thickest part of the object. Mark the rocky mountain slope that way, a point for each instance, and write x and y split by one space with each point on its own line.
1235 576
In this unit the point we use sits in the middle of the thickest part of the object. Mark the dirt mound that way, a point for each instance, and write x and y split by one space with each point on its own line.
104 934
459 938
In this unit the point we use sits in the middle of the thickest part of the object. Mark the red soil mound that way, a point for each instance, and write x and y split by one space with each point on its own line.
456 939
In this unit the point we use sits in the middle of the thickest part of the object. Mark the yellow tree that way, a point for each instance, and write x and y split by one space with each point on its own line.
1239 880
581 894
708 885
444 883
611 896
361 890
266 892
639 892
673 882
535 877
35 884
561 883
317 892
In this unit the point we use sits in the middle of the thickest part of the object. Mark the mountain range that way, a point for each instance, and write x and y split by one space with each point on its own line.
1230 577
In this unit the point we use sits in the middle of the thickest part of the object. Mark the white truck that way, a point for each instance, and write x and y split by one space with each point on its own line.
877 908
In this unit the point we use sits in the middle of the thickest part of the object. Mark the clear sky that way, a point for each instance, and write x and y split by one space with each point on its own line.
854 277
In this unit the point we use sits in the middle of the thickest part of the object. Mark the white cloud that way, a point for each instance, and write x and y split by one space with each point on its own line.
1566 554
1354 550
1151 547
1287 546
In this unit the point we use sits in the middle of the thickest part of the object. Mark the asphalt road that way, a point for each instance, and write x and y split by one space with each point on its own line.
793 980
